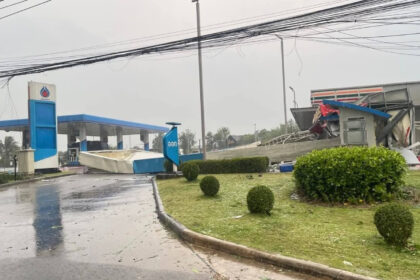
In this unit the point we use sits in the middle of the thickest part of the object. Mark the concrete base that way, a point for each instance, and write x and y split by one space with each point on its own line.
26 163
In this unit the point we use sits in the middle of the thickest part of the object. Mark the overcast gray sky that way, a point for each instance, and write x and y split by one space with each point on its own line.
242 83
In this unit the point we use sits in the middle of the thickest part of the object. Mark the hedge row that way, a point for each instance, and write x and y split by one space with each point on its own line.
5 177
350 174
237 165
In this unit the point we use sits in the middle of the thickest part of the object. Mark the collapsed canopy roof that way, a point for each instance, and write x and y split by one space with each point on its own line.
94 125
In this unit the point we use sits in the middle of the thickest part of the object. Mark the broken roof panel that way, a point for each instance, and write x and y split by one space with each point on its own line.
339 104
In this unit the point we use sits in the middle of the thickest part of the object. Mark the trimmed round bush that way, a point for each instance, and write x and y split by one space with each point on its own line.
350 174
210 185
395 223
260 199
190 171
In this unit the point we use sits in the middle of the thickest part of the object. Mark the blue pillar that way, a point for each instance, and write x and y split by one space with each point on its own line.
83 138
104 138
144 137
71 139
120 144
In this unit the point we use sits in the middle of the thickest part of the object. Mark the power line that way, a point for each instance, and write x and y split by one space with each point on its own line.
165 35
23 10
343 14
14 4
193 30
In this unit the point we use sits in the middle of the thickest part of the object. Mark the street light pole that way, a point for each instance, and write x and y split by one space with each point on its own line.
255 132
200 69
284 83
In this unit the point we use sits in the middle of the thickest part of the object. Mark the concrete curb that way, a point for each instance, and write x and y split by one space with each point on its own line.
34 180
165 176
303 266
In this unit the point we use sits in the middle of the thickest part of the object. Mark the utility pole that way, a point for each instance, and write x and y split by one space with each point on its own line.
200 69
284 83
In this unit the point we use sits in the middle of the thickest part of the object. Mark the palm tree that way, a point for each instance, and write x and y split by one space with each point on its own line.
1 153
8 150
157 143
210 141
187 141
221 137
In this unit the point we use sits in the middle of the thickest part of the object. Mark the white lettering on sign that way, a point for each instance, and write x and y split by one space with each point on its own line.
172 144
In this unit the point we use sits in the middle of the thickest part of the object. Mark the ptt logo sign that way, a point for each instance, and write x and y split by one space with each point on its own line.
45 93
172 144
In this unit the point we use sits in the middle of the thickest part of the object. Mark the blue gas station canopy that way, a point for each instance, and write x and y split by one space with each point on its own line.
94 125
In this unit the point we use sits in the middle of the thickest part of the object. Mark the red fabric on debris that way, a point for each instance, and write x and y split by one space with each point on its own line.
317 128
327 110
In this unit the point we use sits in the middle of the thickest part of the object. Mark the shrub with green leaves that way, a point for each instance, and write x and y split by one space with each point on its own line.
260 199
6 177
395 223
350 174
190 170
209 185
169 166
3 178
236 165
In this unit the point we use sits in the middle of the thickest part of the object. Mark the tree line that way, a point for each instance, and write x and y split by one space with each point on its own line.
223 139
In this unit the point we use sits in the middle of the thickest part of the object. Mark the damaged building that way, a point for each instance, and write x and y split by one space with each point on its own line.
386 115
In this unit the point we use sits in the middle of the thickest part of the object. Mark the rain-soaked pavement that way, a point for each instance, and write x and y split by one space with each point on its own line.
102 227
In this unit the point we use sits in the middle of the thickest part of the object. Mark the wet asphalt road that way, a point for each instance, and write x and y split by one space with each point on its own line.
99 227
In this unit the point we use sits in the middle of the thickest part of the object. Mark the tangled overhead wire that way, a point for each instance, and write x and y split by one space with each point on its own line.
369 13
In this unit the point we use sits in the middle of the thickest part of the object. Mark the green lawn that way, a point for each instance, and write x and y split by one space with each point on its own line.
413 179
328 235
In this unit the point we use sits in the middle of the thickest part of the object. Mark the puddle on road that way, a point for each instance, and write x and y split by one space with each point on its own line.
35 210
100 196
101 192
109 190
47 223
121 228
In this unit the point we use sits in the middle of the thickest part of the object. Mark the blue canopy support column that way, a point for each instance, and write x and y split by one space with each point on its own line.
120 143
71 137
26 139
82 138
144 137
104 136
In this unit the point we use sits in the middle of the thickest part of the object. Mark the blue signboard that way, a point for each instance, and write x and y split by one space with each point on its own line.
43 129
43 125
170 145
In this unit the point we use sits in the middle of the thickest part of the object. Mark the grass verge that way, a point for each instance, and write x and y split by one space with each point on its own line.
9 178
341 237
